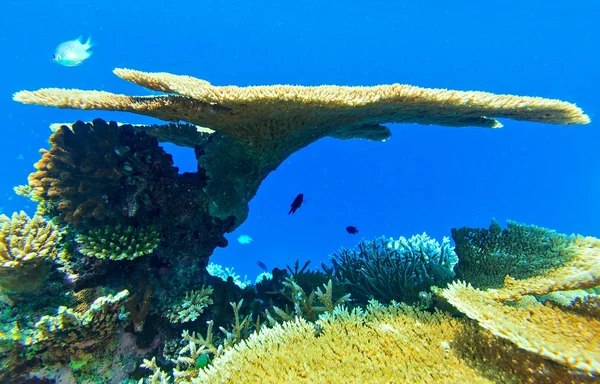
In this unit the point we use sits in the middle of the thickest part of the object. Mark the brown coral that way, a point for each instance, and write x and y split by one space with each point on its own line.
101 171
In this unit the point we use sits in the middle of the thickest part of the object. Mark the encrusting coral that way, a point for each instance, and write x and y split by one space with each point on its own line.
118 242
25 245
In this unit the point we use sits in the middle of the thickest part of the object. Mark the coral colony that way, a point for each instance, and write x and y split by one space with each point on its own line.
110 282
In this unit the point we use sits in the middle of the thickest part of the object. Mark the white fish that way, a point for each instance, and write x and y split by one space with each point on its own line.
244 239
72 53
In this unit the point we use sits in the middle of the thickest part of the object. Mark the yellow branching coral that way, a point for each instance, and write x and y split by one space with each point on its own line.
348 347
25 244
384 344
191 306
564 337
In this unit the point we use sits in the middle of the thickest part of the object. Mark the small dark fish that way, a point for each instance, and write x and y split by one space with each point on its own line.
296 203
262 266
352 230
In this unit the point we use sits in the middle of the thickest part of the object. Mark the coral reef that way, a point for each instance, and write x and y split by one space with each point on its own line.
380 344
117 242
394 270
486 256
26 244
129 222
68 335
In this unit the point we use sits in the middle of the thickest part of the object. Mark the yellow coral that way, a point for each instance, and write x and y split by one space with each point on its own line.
400 346
580 272
281 119
567 338
25 244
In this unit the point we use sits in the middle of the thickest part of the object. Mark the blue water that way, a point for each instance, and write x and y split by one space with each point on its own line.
425 178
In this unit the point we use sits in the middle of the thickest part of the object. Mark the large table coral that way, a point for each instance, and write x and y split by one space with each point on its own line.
262 125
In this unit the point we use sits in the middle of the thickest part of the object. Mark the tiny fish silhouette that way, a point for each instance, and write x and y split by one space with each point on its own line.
262 266
296 203
352 230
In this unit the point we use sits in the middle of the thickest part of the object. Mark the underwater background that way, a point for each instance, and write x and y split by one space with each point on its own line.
424 178
107 279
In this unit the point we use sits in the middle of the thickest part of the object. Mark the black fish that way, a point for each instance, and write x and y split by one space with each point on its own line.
262 266
296 203
352 230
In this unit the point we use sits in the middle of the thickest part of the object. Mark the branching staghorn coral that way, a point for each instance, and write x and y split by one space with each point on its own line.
394 270
346 347
304 305
25 245
487 256
197 348
118 242
191 306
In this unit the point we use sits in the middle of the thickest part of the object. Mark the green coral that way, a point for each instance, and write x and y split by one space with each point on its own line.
394 270
191 306
118 242
521 251
304 304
